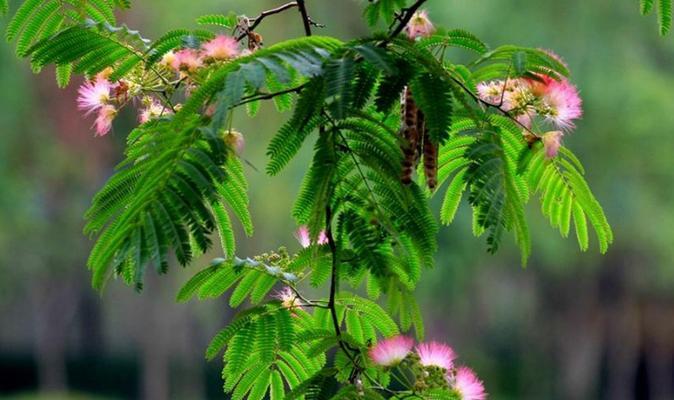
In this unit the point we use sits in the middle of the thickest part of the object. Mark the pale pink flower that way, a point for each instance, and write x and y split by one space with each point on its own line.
222 47
551 142
560 102
436 354
93 95
104 119
288 298
168 59
563 103
491 91
302 236
420 25
153 110
235 141
391 351
468 385
186 60
322 238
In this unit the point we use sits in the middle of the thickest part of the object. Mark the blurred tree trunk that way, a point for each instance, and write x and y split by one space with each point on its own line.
154 334
54 302
658 327
622 336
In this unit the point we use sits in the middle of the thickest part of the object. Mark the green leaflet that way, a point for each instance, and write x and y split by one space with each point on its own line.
565 195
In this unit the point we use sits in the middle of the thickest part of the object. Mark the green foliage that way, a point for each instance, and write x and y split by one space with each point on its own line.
261 353
162 197
249 278
433 95
62 32
384 10
664 12
565 196
454 38
181 182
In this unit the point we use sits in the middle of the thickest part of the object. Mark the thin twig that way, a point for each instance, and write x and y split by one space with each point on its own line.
305 17
405 18
264 14
267 96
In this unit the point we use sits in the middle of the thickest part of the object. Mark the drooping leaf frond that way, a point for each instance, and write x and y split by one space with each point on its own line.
566 197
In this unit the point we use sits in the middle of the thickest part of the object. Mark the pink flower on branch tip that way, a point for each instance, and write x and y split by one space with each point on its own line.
93 95
392 351
288 298
436 354
222 47
563 104
186 60
468 385
103 123
552 141
235 141
419 26
153 110
302 235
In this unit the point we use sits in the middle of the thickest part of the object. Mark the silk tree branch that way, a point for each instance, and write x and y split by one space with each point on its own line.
306 20
264 14
405 18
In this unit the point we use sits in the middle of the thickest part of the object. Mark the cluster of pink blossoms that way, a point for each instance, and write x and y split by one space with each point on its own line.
186 61
105 98
462 380
555 101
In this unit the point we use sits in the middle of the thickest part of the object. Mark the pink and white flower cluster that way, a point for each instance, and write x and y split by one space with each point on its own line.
462 380
188 60
103 97
555 102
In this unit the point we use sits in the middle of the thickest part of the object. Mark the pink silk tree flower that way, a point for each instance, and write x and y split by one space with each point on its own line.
420 25
302 236
153 110
186 60
322 238
93 95
436 354
468 385
288 298
564 104
551 142
222 47
235 141
389 352
103 123
560 102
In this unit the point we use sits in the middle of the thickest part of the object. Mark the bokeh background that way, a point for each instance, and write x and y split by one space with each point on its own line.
571 326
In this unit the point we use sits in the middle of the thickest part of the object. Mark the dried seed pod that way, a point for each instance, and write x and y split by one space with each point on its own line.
410 135
430 162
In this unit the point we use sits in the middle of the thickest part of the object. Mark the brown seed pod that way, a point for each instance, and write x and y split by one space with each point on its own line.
410 135
430 162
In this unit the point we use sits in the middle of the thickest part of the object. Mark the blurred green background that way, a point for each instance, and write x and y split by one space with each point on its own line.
571 326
